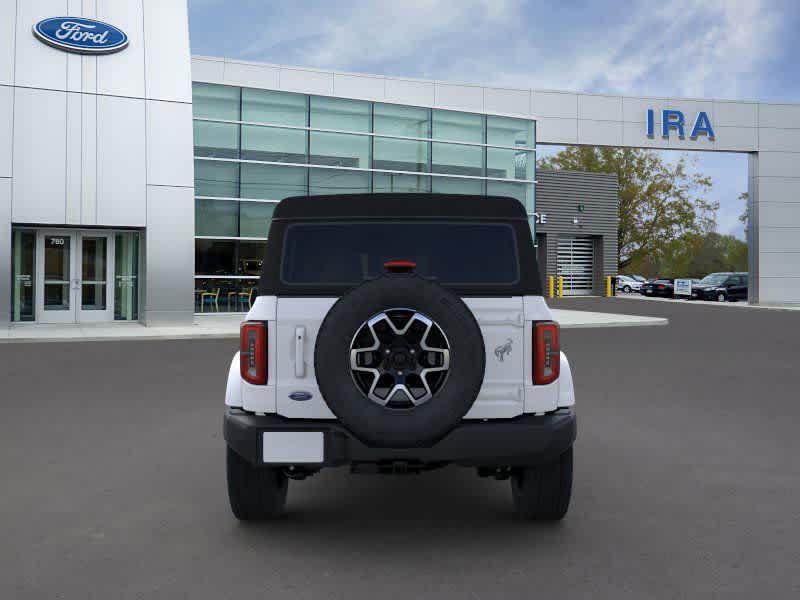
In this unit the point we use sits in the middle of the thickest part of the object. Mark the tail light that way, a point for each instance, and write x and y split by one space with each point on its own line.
399 266
661 287
546 352
253 352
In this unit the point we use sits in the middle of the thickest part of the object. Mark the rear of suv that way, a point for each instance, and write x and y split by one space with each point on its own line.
396 334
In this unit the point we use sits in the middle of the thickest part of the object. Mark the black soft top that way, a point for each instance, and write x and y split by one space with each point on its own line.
405 207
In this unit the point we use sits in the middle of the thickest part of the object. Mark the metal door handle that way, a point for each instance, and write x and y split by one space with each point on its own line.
299 352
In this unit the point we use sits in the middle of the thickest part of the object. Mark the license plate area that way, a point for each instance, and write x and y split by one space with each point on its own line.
292 447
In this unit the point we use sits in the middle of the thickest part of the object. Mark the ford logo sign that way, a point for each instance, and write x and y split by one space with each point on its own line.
84 36
300 396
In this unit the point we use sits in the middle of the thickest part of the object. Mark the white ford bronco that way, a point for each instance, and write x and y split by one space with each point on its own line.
397 333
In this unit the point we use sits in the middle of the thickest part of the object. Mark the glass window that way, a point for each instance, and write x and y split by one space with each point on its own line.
457 185
251 258
126 276
214 178
348 253
272 182
521 191
509 164
23 260
338 181
255 218
281 108
215 101
336 113
400 155
458 126
457 159
214 257
340 150
216 217
220 140
407 121
395 182
273 144
507 131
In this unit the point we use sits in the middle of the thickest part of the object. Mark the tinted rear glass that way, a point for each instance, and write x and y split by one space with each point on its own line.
459 253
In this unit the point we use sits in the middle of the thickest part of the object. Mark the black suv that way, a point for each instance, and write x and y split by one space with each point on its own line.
721 287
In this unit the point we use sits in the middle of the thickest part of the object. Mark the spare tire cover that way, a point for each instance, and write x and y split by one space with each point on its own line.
440 337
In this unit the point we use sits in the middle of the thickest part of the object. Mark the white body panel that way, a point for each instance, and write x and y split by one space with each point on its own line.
507 391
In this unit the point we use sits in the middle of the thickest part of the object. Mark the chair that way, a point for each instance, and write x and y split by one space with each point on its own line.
247 296
211 298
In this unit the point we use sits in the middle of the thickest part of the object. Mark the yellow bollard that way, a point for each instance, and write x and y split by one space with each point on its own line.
551 286
608 287
561 286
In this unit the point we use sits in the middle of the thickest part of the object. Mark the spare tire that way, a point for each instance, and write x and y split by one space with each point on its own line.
399 360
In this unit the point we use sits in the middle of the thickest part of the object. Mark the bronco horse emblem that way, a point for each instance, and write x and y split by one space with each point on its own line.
501 351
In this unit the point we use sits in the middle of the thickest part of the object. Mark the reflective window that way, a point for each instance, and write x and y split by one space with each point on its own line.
407 121
215 101
458 126
216 217
273 144
224 295
457 185
214 178
255 218
336 113
457 159
215 257
507 131
400 155
340 150
272 182
126 276
281 108
521 191
23 261
395 182
509 164
220 140
251 257
338 181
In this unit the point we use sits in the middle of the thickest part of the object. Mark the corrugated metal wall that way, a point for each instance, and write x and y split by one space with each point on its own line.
559 195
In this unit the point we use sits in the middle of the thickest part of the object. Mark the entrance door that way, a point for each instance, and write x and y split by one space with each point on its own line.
73 273
575 263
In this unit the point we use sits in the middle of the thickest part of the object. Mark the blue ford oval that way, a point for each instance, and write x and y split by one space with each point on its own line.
84 36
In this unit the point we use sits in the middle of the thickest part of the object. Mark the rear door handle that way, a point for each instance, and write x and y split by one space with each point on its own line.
299 352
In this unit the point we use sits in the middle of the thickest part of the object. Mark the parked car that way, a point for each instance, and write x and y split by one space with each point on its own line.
389 346
638 278
722 287
627 284
663 288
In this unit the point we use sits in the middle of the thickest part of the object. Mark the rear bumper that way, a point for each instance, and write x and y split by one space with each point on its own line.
524 440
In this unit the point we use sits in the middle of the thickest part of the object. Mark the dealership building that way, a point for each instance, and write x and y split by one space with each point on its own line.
137 182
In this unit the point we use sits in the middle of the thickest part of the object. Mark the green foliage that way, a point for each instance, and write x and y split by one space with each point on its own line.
694 255
660 203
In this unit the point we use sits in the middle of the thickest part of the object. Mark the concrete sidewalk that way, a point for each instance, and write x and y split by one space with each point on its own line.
227 326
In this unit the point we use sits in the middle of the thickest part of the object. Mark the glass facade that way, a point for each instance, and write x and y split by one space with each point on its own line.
255 147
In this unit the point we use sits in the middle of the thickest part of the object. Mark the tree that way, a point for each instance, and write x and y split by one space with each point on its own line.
659 202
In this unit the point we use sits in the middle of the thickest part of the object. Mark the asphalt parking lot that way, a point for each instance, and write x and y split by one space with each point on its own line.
687 481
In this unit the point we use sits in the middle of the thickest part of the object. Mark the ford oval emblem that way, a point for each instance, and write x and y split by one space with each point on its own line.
300 396
84 36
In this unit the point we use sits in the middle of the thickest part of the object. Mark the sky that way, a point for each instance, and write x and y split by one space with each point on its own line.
733 49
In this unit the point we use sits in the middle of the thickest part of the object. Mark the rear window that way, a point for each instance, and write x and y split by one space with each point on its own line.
454 253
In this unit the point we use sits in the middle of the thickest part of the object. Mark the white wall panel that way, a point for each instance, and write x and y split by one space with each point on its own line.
556 131
169 143
121 169
555 104
634 109
306 81
89 159
358 86
5 249
779 115
601 133
735 114
250 75
208 70
510 102
779 239
464 97
781 140
6 128
779 290
8 23
779 264
166 37
39 156
778 164
122 73
407 91
599 108
739 139
74 158
36 64
779 189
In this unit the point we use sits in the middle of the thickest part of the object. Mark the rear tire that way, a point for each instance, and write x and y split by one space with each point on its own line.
627 289
542 492
255 493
